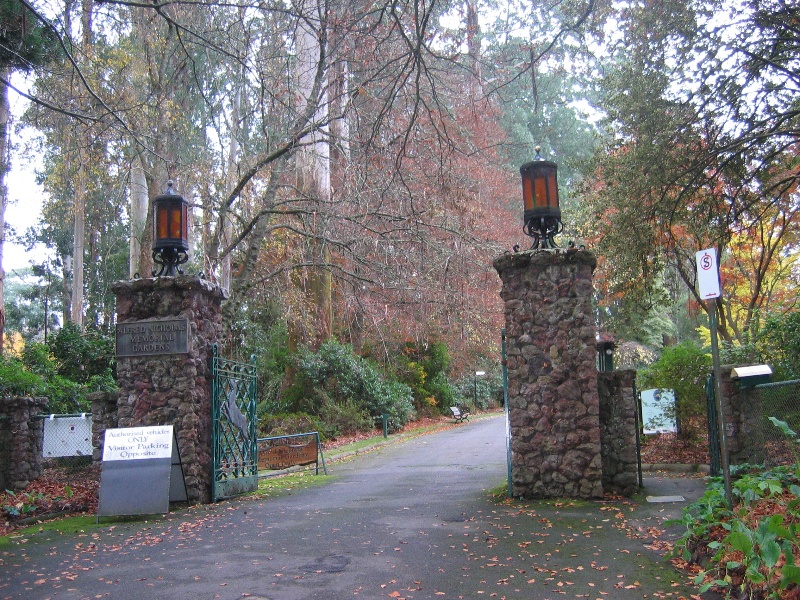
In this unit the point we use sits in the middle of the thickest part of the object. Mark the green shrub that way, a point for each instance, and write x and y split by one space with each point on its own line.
104 382
683 368
66 396
40 373
15 380
81 355
348 378
37 359
288 424
763 548
440 388
395 400
779 342
344 418
423 367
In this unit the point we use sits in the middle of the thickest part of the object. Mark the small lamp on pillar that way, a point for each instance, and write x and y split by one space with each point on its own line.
170 232
542 216
605 353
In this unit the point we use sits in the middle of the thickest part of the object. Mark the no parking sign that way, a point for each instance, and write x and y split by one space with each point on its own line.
707 274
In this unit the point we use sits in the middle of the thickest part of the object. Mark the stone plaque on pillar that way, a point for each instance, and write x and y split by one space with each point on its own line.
553 402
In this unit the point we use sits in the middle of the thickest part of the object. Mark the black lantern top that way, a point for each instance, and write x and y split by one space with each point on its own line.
170 231
542 214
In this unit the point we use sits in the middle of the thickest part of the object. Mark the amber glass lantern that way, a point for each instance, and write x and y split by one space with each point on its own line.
542 216
170 232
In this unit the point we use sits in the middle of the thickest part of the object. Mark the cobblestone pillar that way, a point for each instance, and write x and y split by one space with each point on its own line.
618 431
553 396
173 389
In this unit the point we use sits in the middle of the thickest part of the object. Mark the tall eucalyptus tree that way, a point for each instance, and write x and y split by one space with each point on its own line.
24 45
209 95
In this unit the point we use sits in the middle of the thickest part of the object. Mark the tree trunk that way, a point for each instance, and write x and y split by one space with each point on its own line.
5 116
233 157
76 312
139 203
314 176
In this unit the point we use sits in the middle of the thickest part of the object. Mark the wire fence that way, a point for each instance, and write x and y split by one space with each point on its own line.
67 440
767 443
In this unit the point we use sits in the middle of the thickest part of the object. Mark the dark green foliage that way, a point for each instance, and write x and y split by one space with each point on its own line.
779 344
479 392
440 388
424 369
739 354
24 41
66 396
63 394
344 418
288 424
261 332
763 548
347 378
41 373
37 359
683 368
82 356
15 380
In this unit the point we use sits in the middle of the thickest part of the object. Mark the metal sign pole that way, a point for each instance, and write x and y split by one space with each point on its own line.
723 443
708 285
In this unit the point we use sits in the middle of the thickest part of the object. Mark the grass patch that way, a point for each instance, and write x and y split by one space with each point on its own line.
499 493
282 485
60 526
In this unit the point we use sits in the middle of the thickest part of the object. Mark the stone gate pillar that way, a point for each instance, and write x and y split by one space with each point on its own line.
164 372
553 398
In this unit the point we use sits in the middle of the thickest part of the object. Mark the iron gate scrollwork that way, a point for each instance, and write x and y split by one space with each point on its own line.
234 447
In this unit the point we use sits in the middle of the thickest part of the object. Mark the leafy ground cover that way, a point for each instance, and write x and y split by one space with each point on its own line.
748 547
752 550
55 493
669 449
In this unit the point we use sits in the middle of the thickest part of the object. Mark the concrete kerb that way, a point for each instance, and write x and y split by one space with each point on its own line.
676 468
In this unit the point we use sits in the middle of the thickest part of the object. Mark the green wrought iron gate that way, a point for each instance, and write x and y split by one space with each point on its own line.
233 433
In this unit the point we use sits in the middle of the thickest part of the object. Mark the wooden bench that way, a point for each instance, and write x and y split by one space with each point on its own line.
459 415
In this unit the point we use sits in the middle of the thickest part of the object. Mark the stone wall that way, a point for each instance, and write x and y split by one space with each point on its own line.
21 436
104 416
744 421
553 401
619 446
173 389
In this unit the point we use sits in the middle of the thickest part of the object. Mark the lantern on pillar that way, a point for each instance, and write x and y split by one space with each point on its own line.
542 216
170 232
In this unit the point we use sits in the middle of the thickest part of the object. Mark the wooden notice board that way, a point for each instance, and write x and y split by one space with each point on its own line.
282 452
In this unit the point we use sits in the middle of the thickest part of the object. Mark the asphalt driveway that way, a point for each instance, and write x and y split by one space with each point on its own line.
411 520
